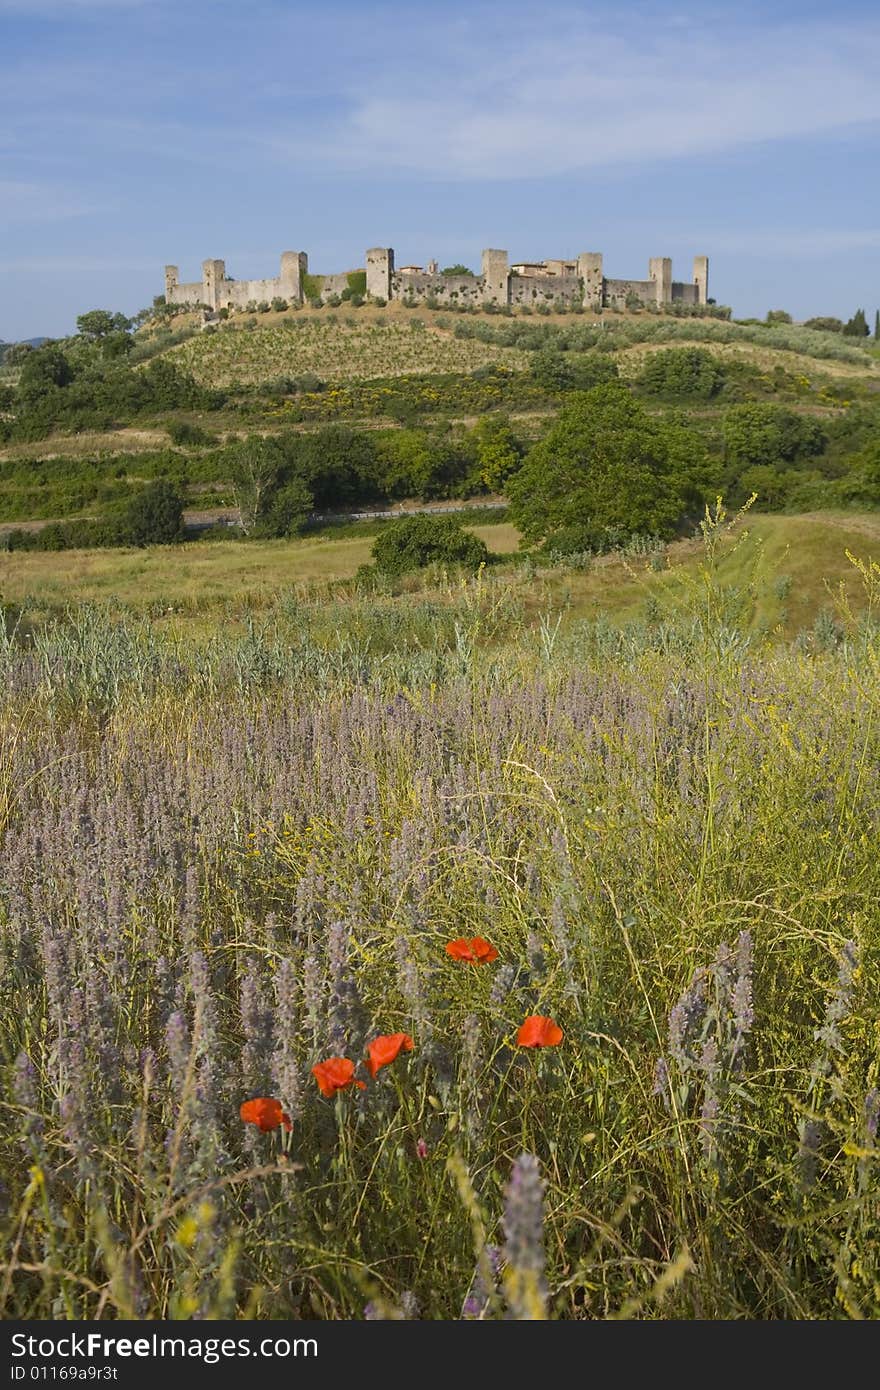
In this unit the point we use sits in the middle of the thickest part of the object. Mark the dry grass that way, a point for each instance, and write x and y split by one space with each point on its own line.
195 575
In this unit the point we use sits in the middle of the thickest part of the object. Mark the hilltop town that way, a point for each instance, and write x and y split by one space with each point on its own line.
528 283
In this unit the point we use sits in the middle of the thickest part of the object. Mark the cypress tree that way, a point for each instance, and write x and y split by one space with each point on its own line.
857 326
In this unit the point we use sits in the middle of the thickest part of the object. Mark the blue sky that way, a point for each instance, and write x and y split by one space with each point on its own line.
135 132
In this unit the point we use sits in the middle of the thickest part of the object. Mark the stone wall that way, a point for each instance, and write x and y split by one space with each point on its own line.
446 289
616 292
534 290
685 294
497 284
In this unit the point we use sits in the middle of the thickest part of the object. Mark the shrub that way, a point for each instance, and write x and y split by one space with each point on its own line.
559 371
824 325
767 434
416 541
154 516
690 372
182 432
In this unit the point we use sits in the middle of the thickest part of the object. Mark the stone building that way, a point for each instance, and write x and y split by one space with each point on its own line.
532 283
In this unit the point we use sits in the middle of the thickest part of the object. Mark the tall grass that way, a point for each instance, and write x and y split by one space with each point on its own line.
220 871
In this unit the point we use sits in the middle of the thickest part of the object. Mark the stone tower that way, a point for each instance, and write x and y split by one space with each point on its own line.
213 275
496 277
294 266
172 276
701 278
380 268
589 268
660 271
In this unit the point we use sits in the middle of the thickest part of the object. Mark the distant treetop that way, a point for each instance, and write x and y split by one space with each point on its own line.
457 270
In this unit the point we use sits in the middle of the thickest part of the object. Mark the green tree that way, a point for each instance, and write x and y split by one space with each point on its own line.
154 515
877 326
15 353
416 541
857 326
497 451
866 473
606 470
563 371
769 434
287 510
43 370
256 467
338 463
777 316
690 372
100 323
457 269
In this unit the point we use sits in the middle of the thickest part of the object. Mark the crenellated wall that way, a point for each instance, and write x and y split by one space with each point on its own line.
533 284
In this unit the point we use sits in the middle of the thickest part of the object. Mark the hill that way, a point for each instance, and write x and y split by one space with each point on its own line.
340 344
377 405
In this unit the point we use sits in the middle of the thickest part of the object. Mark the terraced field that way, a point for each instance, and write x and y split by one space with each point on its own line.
336 349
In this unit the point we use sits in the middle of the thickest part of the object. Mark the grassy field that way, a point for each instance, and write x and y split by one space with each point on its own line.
198 575
786 571
227 865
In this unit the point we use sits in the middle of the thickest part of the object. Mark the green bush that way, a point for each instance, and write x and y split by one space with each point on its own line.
824 324
565 371
153 516
416 541
183 432
769 434
691 372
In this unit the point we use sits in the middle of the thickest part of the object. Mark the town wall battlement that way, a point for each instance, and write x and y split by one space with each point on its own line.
533 283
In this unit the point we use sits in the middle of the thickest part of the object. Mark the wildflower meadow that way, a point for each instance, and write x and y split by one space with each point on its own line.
500 979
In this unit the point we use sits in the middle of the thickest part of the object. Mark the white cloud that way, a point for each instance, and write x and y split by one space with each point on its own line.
587 96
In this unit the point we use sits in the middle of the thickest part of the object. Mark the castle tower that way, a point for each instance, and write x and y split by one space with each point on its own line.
213 275
294 266
496 277
660 271
380 268
172 276
589 268
701 278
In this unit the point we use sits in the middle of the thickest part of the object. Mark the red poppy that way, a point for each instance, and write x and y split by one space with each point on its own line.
538 1031
265 1113
477 950
336 1074
385 1049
